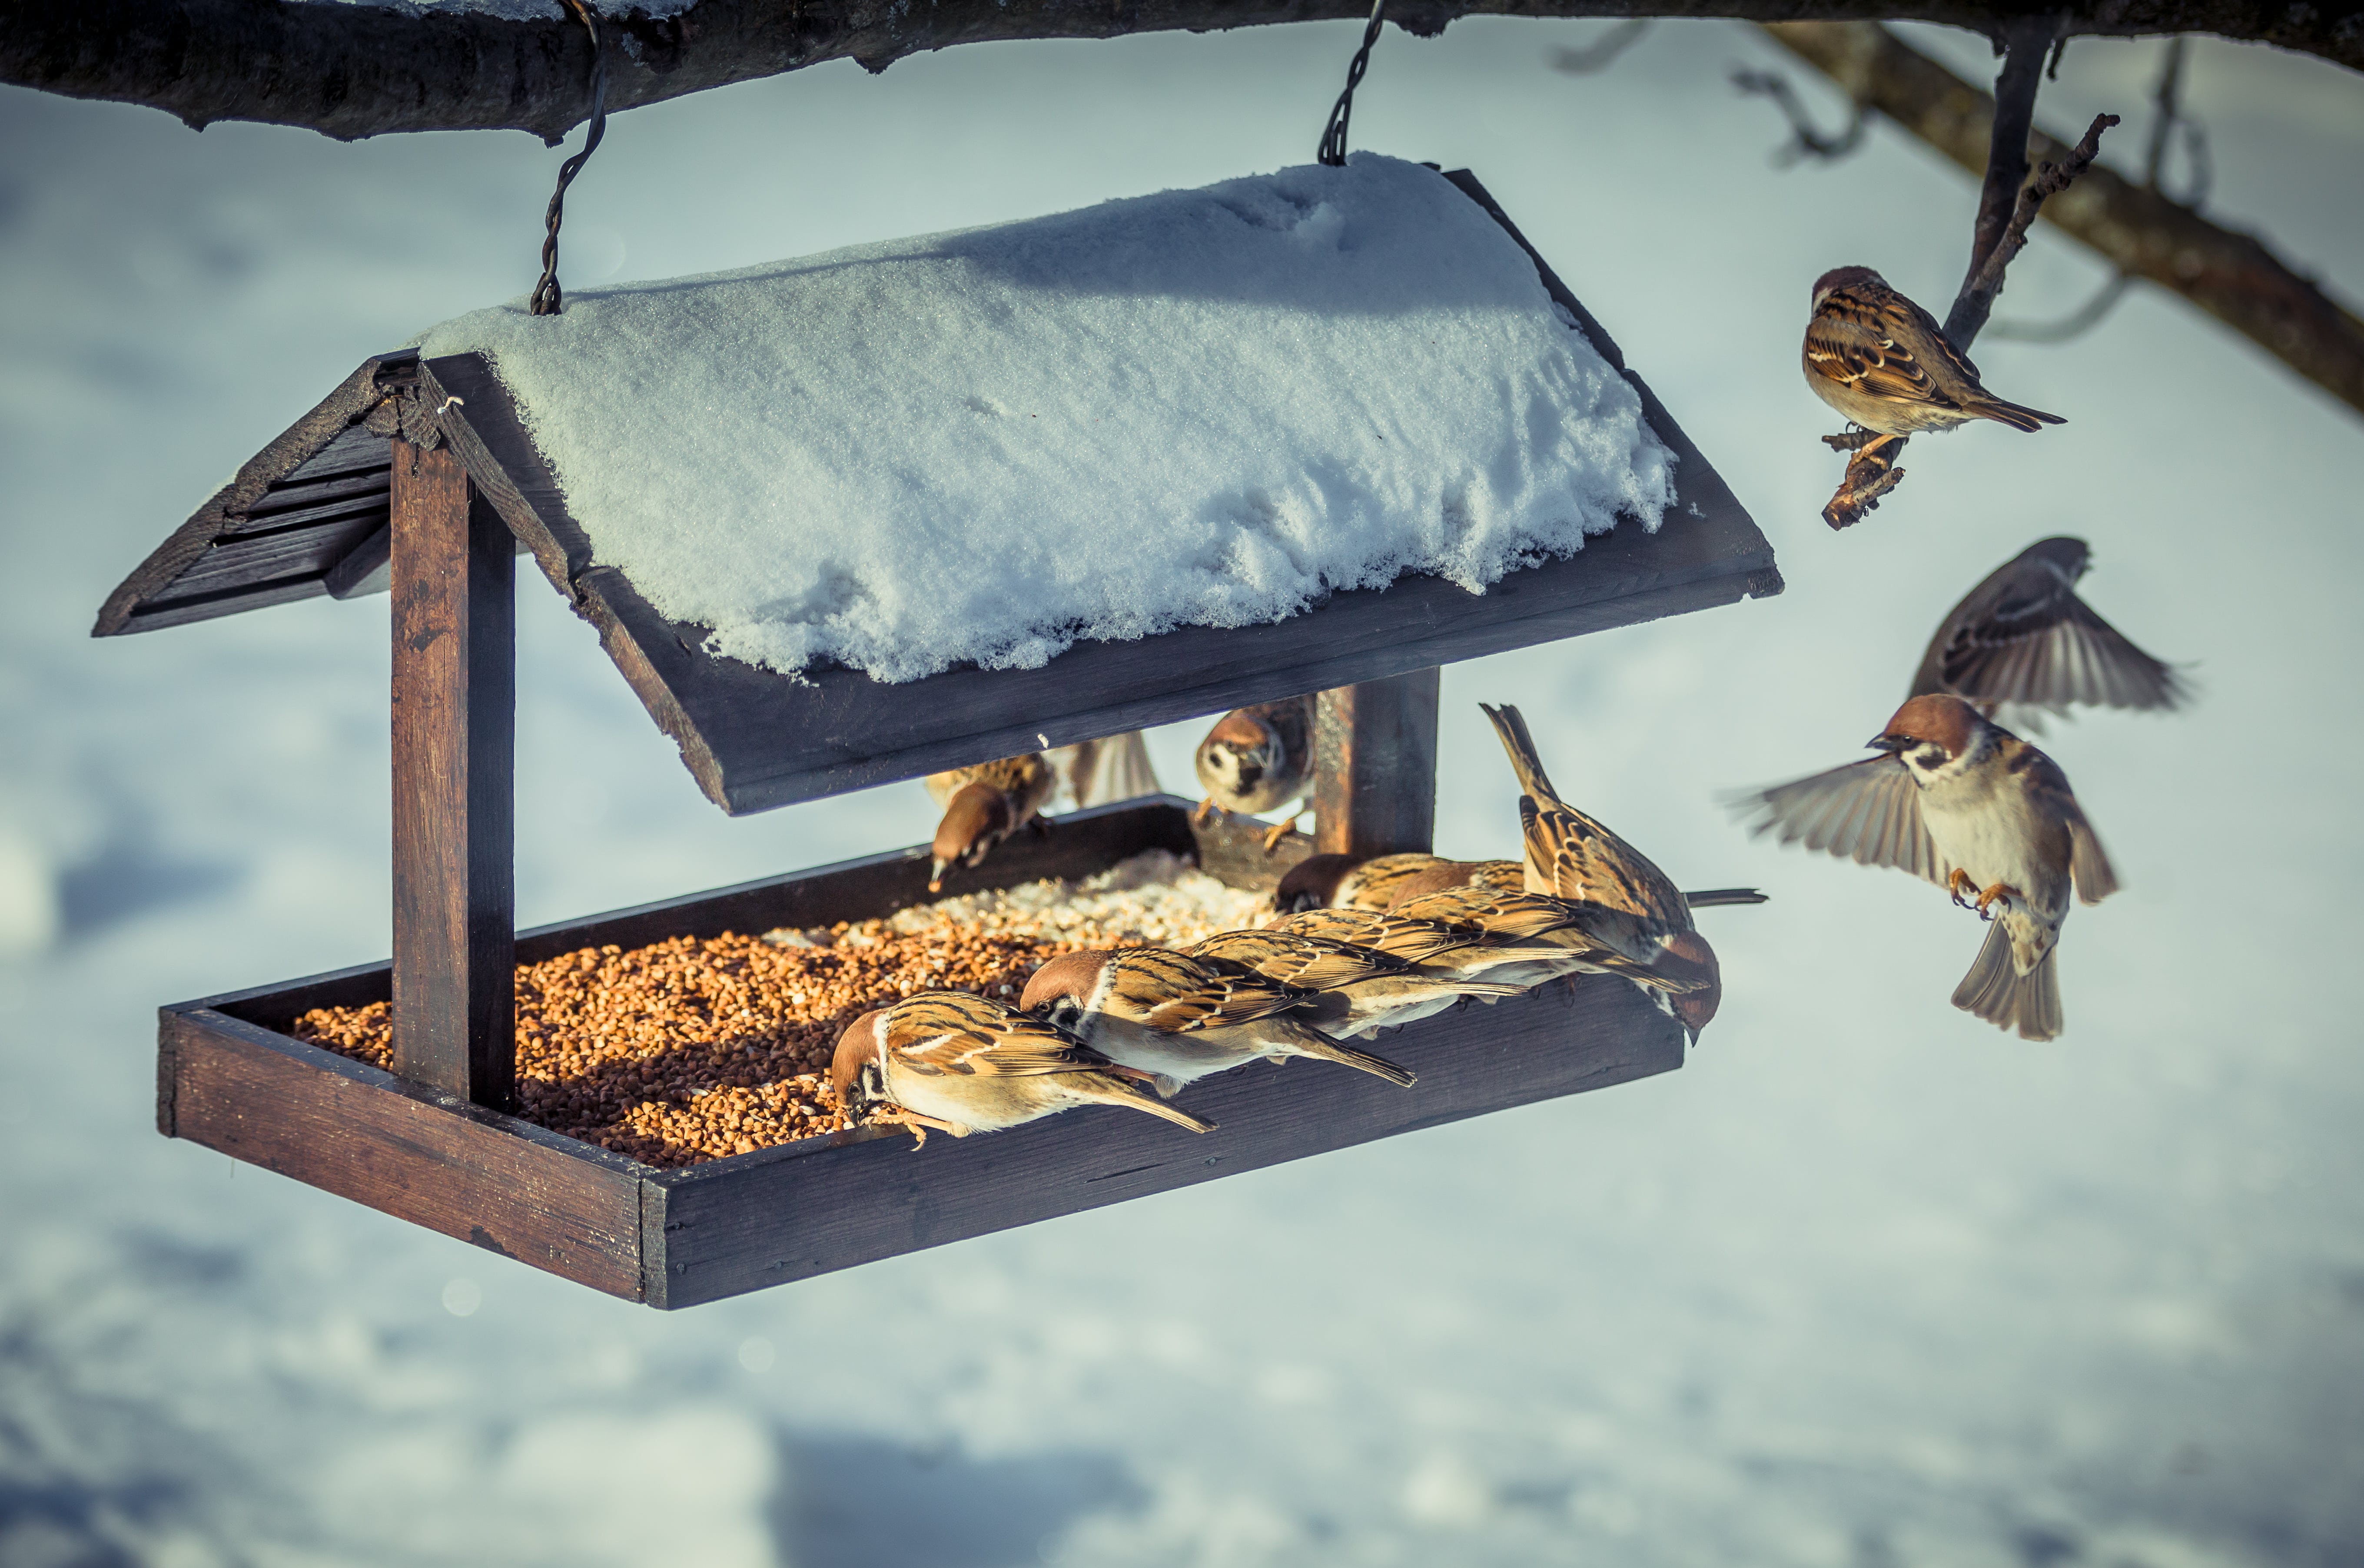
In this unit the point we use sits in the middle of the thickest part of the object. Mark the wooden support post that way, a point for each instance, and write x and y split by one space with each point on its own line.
455 785
1374 752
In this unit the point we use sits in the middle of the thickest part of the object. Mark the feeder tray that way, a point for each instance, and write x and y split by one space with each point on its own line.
419 474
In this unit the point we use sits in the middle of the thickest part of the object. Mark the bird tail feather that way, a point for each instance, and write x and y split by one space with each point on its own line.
1994 990
1520 743
1310 1041
2015 415
1115 1091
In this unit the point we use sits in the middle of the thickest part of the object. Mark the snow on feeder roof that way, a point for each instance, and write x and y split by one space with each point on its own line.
864 515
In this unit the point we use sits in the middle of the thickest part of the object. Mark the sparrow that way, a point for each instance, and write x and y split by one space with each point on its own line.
1180 1019
1358 991
1883 362
1571 857
983 805
1357 882
1098 772
1322 881
961 1064
1683 976
1958 800
1257 760
1462 951
2024 638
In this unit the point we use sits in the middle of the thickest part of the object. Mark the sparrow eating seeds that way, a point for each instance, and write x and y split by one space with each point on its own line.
983 806
1170 1015
961 1064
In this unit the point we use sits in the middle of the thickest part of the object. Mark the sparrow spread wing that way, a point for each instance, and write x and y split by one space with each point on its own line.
2046 648
1868 812
2089 868
960 1033
1887 347
1172 992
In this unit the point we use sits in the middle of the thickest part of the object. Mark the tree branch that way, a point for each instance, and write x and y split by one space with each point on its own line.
2231 276
1976 302
352 71
2026 41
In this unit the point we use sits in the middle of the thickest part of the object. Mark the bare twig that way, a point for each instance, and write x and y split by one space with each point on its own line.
2232 276
2025 42
1602 52
1977 296
1805 140
2168 97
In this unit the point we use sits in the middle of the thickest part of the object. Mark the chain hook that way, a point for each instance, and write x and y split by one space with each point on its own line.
1334 135
546 298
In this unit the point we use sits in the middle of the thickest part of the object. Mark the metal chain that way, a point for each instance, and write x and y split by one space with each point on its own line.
546 298
1334 135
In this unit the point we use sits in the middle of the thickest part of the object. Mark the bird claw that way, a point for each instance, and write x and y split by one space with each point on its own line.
1956 881
1202 811
913 1123
1999 890
1277 832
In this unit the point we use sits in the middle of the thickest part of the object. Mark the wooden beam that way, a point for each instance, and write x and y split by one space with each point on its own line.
454 784
1375 756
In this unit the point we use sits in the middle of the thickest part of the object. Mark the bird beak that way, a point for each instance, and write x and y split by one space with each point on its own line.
1889 744
936 875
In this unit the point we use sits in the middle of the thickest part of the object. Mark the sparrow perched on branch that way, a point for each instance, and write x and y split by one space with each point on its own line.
1883 362
983 806
1170 1015
1959 800
961 1064
1358 991
2023 639
1257 760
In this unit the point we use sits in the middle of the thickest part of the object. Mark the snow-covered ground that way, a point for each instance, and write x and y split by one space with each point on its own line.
1868 1284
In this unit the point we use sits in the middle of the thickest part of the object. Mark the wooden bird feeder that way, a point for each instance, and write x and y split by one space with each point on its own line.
418 474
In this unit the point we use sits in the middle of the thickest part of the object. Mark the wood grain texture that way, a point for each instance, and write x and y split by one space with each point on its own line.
506 1185
455 782
329 440
785 1214
755 739
1375 767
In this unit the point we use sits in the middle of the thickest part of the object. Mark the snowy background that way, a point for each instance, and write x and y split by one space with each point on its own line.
1867 1284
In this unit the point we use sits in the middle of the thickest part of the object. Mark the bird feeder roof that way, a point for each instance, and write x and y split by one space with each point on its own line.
867 515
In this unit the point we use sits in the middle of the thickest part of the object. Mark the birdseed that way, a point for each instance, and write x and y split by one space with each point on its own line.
696 1048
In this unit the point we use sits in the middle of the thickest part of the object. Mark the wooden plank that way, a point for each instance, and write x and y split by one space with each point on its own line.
333 429
779 1215
367 568
259 559
506 1186
156 615
1375 762
455 782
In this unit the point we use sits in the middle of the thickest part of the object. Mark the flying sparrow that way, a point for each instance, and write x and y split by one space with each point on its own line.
1883 362
983 805
1958 800
1257 760
962 1063
1358 991
1173 1015
2024 640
